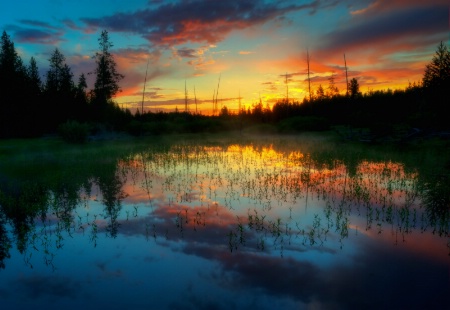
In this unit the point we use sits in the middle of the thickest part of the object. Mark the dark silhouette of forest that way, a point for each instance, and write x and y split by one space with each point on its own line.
31 107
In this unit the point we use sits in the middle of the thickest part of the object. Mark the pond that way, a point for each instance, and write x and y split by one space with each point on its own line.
223 223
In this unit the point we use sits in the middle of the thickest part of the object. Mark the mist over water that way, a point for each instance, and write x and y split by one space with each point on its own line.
274 222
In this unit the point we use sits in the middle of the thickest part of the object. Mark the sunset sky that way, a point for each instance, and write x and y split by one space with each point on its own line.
250 44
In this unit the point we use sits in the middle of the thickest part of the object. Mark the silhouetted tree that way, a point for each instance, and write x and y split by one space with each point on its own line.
82 85
34 81
353 87
12 82
81 98
59 77
31 115
107 78
437 72
436 83
320 93
59 91
11 66
224 111
332 88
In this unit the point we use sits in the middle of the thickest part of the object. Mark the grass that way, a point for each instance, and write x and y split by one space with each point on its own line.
273 172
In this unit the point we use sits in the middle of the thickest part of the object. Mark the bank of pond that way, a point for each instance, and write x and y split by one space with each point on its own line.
221 221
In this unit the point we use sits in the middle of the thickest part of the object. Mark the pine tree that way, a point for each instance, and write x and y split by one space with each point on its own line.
59 91
12 87
34 81
107 77
332 90
353 87
320 93
11 65
436 84
59 76
82 85
81 99
437 72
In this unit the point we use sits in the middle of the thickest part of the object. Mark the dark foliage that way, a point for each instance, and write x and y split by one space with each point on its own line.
74 132
30 107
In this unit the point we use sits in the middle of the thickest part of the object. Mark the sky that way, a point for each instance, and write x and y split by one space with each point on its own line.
242 52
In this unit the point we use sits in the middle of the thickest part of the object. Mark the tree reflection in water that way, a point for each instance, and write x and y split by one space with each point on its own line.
269 197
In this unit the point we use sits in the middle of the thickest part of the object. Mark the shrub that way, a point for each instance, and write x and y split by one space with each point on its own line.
74 132
303 123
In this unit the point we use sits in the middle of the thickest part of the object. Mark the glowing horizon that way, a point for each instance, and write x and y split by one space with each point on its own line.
253 46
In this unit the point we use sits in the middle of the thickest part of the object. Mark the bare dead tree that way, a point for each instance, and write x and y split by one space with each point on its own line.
214 102
217 94
309 78
185 97
287 88
239 101
195 100
145 82
346 72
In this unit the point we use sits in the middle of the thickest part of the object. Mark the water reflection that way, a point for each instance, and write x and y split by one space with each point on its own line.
303 227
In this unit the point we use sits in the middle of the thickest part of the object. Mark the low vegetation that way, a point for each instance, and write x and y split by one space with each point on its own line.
32 108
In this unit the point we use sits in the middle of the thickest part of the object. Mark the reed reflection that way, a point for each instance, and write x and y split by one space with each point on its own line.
243 197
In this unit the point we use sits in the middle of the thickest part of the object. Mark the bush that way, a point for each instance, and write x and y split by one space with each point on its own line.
74 132
135 128
261 129
303 123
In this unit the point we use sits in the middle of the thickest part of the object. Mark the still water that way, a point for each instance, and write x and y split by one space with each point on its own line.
273 223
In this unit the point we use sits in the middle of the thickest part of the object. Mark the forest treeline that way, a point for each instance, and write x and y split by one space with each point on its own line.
31 107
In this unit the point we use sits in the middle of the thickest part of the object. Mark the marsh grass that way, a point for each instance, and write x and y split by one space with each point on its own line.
260 189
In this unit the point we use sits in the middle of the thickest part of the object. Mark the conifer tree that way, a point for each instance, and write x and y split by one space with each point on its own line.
107 77
59 76
332 88
353 87
437 72
82 85
34 81
12 87
320 93
59 91
81 99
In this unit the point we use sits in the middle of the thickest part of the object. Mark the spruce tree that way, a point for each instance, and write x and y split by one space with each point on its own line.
353 88
437 72
59 76
59 91
436 83
320 93
107 77
12 87
34 81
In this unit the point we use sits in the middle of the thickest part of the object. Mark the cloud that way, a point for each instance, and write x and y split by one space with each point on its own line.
73 26
36 32
378 6
37 23
132 63
138 56
194 20
393 27
270 86
150 95
37 36
187 53
199 57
